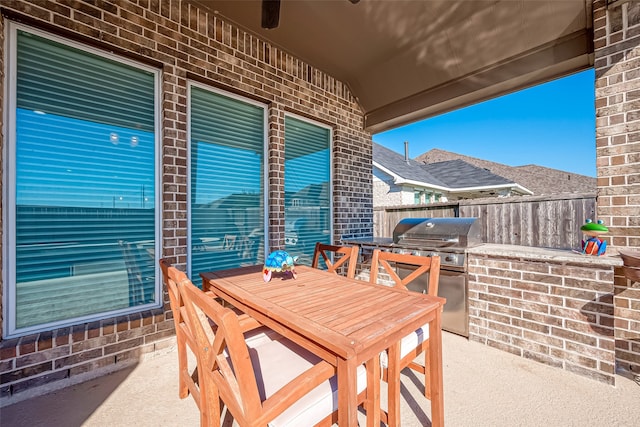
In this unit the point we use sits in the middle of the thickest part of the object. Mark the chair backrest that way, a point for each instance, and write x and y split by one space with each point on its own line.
175 300
388 260
349 255
188 380
223 355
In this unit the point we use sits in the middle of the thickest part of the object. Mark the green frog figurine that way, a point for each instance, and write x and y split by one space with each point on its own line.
594 245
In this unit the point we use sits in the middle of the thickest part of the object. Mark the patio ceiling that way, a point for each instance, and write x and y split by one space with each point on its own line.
409 60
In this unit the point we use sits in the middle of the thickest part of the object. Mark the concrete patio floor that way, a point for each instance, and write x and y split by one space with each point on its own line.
483 387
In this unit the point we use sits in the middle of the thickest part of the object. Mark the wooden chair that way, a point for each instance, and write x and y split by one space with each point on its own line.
349 255
188 378
416 342
276 384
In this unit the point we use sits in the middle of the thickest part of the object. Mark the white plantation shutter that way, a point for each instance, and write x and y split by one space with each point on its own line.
227 182
84 187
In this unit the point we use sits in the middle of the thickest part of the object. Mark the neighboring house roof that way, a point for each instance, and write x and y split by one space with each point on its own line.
404 171
449 176
540 180
459 174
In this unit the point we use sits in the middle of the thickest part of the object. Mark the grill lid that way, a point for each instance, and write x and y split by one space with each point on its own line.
438 232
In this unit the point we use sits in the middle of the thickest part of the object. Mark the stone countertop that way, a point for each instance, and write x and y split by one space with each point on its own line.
545 254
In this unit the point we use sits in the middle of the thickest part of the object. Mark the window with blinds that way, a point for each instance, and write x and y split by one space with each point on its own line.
307 184
82 229
227 207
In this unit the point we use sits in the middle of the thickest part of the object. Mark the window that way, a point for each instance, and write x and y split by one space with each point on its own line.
307 186
227 214
80 227
416 197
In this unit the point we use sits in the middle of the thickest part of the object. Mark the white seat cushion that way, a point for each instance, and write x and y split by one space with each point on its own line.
279 361
408 343
260 336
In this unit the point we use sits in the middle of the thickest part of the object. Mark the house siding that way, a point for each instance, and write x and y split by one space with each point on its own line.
617 65
186 43
385 192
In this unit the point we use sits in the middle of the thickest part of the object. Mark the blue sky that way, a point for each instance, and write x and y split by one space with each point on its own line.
550 125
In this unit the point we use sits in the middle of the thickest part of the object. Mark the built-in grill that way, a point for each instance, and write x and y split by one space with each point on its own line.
446 237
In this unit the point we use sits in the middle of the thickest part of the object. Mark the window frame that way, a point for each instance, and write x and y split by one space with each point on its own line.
331 169
9 309
265 162
417 196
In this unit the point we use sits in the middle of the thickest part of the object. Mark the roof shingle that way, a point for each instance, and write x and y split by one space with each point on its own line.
539 179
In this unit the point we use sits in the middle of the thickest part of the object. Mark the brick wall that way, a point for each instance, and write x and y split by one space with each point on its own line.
552 307
187 43
617 65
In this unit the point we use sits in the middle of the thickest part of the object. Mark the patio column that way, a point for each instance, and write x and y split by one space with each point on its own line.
617 65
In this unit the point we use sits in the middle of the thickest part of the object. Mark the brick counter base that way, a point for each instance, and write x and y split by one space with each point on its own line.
553 307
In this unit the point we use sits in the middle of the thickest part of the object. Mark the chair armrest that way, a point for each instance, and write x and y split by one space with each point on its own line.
298 387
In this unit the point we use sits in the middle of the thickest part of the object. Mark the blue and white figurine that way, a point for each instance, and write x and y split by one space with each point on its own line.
279 261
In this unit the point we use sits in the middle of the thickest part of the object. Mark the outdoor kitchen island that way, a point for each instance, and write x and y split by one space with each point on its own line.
553 306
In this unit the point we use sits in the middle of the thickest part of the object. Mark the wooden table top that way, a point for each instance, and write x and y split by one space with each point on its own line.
348 317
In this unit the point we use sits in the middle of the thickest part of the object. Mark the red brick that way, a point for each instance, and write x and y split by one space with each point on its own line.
27 344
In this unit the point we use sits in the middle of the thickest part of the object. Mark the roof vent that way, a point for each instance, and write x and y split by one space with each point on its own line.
406 151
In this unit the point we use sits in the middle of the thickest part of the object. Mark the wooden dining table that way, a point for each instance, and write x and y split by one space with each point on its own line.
346 322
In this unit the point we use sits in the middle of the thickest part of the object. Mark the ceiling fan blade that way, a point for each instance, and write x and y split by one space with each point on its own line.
270 13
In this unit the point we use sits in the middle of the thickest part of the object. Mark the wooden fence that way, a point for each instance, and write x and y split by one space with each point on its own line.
540 221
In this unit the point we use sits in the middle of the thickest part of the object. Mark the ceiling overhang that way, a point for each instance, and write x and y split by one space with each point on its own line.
407 60
530 68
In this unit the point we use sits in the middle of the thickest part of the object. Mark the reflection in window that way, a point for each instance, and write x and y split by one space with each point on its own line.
84 200
307 175
227 196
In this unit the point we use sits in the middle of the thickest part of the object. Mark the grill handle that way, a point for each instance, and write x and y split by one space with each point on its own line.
450 240
423 240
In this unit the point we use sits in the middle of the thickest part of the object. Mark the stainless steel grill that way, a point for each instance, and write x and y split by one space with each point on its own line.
446 237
